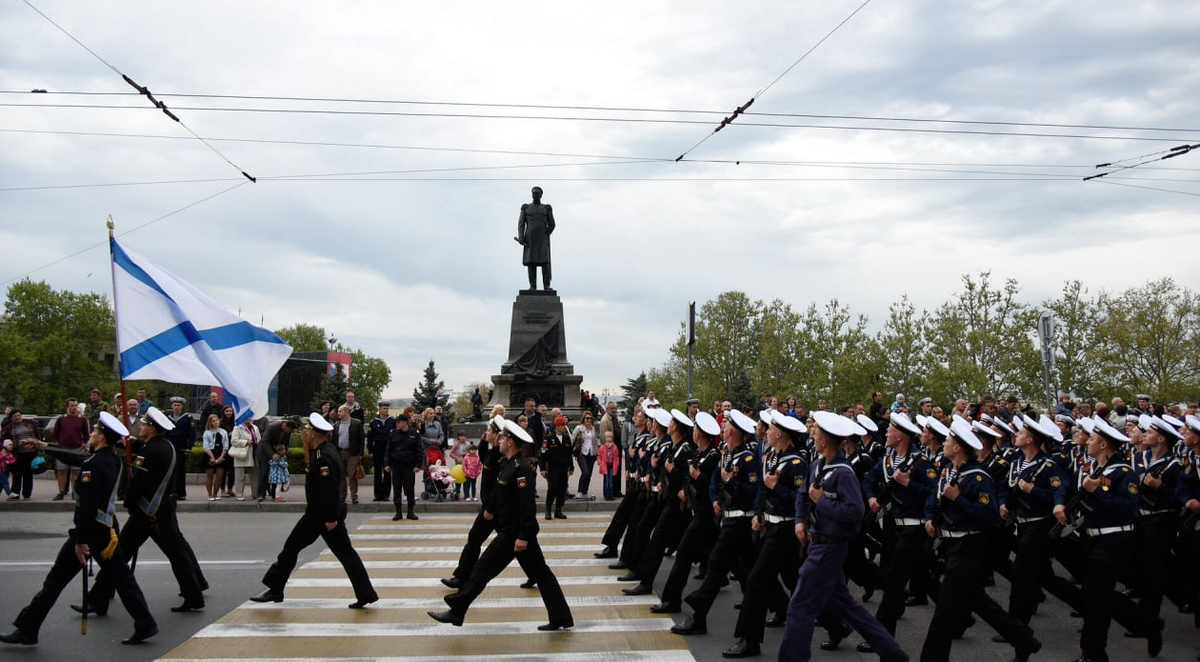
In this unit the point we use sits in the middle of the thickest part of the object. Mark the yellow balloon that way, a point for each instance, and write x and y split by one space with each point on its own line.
458 475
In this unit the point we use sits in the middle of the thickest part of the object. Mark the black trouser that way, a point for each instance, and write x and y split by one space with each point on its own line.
962 592
481 528
181 457
1155 537
66 566
906 559
620 520
694 547
1104 557
22 476
858 568
229 473
264 474
672 521
187 549
639 509
498 555
1030 568
617 475
383 482
778 555
164 531
306 531
403 478
733 551
556 488
586 464
639 532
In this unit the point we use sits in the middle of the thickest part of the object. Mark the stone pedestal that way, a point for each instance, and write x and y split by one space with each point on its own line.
537 365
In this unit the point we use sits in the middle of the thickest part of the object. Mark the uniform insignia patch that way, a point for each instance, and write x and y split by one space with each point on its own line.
1132 488
137 461
931 473
753 478
521 481
978 478
85 476
796 461
799 481
748 458
1055 482
984 498
324 472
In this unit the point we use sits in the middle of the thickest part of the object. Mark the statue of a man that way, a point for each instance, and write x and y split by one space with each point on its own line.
534 227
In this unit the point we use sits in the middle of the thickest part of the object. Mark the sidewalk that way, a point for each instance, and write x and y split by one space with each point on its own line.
44 490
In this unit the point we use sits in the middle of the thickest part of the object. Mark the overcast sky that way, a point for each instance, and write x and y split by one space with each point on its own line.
426 268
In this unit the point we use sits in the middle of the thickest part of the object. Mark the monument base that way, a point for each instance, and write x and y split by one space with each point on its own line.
537 365
560 391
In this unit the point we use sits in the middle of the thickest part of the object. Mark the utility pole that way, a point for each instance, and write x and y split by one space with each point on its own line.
1045 328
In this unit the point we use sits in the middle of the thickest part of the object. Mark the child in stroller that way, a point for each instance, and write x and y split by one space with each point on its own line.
435 487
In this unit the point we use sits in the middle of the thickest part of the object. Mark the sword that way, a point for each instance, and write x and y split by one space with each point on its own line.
84 602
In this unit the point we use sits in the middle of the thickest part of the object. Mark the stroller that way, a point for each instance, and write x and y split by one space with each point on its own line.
435 473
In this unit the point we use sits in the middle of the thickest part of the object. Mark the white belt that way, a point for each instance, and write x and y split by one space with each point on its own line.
1026 520
909 521
955 534
1108 529
1144 511
738 513
775 519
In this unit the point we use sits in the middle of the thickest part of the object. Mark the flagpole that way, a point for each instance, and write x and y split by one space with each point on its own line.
117 328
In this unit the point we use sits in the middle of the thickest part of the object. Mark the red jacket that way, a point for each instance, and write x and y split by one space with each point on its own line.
609 459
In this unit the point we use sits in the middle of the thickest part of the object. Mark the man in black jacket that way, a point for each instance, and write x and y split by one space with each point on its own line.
402 461
183 438
349 439
324 517
557 465
378 431
277 433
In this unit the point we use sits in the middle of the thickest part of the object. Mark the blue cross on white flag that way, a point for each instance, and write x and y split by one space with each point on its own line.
169 330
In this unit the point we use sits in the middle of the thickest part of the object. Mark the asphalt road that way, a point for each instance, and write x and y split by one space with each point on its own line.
236 548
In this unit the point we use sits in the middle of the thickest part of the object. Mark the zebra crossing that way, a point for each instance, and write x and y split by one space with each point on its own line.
405 561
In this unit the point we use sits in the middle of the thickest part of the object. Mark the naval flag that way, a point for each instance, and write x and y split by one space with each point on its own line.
169 330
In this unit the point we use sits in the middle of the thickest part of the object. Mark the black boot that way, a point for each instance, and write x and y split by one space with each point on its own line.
411 514
559 514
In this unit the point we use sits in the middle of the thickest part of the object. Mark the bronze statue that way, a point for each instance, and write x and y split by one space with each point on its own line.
534 227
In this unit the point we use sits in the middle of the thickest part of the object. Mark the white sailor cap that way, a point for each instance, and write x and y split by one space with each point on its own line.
110 422
1043 428
497 424
1045 423
707 424
837 425
1065 418
786 422
922 420
999 422
1018 422
661 416
924 401
155 416
903 422
978 426
1144 421
1168 430
1087 424
178 399
742 421
986 417
516 432
939 428
682 419
764 416
318 422
867 423
1109 431
1173 421
961 430
1143 396
1193 422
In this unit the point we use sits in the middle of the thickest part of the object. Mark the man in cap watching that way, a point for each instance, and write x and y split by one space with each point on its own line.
556 465
183 438
92 535
324 517
378 431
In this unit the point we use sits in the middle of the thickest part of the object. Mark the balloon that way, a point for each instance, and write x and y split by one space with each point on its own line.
457 473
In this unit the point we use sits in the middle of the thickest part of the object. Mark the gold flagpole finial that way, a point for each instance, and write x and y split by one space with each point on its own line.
110 225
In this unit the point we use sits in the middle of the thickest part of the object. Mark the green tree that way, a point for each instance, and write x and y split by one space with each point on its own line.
726 345
55 344
332 390
429 392
840 364
368 377
461 407
741 392
1150 340
781 352
306 338
1076 316
631 390
903 348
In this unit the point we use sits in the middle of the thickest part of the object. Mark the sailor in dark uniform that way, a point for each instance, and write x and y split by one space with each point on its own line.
556 465
152 515
674 515
93 535
701 532
629 501
908 479
513 505
1109 502
959 512
783 475
182 437
1035 488
828 514
735 488
639 466
1157 524
652 471
324 517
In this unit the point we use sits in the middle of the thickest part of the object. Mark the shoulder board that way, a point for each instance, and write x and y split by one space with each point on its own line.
979 472
1113 468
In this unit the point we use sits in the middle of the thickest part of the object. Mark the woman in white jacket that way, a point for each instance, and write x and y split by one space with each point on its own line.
241 449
